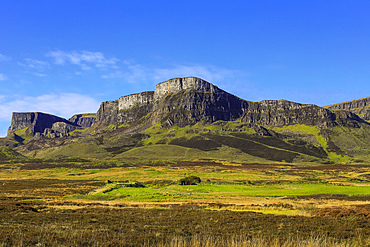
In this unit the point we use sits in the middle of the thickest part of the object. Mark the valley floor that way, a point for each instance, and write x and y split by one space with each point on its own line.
71 203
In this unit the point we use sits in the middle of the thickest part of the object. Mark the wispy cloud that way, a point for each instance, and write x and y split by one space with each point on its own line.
63 104
207 72
130 71
35 64
35 67
2 77
135 73
4 58
84 59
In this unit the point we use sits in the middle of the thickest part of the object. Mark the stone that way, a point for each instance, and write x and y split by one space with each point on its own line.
83 120
38 122
135 100
361 107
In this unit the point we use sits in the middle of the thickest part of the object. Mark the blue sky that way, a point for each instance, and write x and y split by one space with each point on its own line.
66 57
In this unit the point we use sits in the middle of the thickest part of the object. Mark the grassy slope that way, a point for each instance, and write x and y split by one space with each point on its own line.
174 152
8 154
231 141
75 150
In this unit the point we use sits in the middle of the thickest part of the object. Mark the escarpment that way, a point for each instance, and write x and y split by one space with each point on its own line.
186 101
83 120
360 107
41 123
281 113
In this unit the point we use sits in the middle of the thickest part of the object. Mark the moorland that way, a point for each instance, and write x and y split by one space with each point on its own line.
271 173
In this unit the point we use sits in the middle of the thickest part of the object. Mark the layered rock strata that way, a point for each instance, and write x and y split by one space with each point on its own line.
38 122
135 100
360 107
184 101
83 120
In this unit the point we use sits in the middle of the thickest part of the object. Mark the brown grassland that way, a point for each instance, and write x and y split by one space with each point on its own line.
69 203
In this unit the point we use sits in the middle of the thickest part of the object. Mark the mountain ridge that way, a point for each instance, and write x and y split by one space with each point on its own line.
143 119
360 107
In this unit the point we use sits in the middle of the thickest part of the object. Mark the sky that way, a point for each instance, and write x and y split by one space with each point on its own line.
66 57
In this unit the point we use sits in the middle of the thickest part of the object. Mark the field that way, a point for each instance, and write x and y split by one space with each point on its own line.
79 203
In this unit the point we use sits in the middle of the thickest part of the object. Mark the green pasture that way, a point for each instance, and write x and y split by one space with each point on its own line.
212 192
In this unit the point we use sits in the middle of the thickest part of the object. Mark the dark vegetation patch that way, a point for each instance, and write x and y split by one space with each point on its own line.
190 180
253 148
119 144
44 188
297 145
347 212
340 197
197 142
333 167
69 163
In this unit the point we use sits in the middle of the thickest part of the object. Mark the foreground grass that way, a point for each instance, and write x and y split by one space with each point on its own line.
37 224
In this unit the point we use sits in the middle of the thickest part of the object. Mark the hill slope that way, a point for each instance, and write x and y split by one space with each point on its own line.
199 121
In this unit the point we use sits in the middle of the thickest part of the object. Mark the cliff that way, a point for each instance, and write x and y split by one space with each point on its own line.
281 112
135 100
360 107
177 85
83 120
184 101
42 123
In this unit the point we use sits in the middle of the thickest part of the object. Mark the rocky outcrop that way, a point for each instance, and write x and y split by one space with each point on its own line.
107 112
186 108
281 112
184 101
135 100
360 107
83 120
38 122
177 85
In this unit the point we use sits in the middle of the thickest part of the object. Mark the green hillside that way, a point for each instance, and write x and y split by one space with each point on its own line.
232 141
9 154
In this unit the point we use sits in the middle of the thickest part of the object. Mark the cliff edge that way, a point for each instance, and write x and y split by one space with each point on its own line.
361 107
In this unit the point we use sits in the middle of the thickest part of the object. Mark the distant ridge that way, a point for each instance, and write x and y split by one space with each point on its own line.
193 113
182 102
360 107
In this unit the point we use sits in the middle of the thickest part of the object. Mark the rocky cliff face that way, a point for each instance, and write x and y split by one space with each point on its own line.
83 120
184 101
360 107
177 85
135 100
179 101
184 108
44 124
281 112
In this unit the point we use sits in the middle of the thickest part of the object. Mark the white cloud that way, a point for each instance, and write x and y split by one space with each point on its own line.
135 73
35 64
63 105
84 59
2 77
207 72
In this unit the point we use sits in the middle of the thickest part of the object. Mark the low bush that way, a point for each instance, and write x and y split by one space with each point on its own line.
191 180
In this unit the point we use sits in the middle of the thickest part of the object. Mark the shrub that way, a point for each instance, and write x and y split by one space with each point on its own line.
191 180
